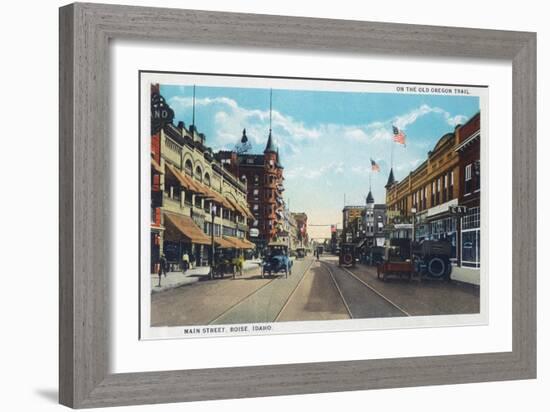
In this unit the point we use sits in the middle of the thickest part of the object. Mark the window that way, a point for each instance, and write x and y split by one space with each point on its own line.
445 187
468 179
432 204
477 173
198 173
207 179
451 184
256 180
189 167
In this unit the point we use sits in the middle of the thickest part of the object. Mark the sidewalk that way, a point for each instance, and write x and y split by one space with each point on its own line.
178 279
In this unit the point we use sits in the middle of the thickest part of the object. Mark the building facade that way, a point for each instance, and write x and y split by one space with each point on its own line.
192 196
374 221
470 190
426 195
263 176
352 223
302 237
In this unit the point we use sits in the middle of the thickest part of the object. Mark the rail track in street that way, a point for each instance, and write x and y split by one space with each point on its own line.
361 299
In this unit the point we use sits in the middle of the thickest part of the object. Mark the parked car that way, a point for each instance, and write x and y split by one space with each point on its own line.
300 252
276 260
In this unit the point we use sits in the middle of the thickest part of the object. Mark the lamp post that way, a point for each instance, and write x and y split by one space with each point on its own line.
213 215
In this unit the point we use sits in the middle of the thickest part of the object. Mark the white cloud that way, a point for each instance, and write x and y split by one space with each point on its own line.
315 172
231 118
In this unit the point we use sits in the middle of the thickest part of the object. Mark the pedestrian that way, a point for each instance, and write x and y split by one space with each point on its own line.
163 265
185 262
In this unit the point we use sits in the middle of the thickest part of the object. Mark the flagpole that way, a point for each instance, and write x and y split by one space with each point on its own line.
370 179
193 121
392 147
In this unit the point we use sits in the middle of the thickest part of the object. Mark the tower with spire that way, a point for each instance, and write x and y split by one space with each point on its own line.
262 174
391 179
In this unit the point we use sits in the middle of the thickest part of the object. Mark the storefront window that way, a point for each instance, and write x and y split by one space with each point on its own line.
470 248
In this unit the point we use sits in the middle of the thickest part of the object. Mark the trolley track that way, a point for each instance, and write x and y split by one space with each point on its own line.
326 266
241 304
362 304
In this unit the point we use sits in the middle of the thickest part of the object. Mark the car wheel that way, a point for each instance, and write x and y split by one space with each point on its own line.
437 267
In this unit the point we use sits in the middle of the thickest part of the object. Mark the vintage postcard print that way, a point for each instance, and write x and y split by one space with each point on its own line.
285 205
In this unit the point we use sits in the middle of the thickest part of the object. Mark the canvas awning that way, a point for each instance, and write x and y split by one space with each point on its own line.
188 183
156 166
183 227
240 243
223 243
247 244
233 241
185 181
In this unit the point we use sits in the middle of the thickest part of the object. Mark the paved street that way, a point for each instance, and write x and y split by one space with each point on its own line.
316 290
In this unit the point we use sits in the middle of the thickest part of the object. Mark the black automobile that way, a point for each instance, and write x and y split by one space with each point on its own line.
348 255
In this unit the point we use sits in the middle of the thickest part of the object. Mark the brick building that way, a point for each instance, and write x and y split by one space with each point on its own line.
446 178
263 176
352 223
469 193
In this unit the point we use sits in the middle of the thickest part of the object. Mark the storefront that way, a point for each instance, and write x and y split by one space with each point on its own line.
182 235
470 245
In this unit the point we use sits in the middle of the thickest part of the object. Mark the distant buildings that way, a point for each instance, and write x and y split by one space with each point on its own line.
352 223
449 177
374 220
302 237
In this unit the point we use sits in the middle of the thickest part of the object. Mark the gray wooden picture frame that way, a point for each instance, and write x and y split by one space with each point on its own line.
85 32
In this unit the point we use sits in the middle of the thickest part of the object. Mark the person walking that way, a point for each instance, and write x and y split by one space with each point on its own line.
163 263
185 260
163 266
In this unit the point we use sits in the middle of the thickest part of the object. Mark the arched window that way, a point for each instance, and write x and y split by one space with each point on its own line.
207 179
198 173
189 166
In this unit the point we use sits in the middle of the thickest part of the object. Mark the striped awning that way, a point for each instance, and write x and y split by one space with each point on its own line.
180 227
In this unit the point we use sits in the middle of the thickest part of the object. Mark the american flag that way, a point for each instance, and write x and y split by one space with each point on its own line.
398 136
374 166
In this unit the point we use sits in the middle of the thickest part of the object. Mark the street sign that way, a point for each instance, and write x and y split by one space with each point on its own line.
254 232
458 210
161 113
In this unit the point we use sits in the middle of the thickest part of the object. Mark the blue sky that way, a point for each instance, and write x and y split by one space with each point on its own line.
325 138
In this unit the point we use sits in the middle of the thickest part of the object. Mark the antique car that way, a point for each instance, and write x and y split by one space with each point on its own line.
430 258
348 255
433 258
276 260
228 261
